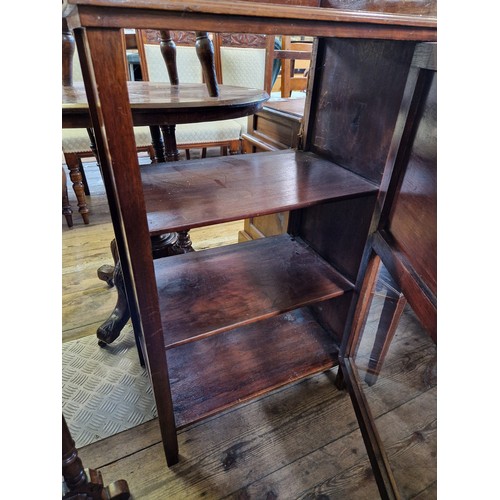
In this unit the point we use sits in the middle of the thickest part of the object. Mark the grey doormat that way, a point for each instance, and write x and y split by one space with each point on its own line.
105 390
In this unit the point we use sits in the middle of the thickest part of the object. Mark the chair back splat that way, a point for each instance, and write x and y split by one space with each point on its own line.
183 57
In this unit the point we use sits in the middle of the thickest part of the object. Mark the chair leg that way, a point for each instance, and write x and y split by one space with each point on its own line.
151 153
73 163
66 207
86 189
235 147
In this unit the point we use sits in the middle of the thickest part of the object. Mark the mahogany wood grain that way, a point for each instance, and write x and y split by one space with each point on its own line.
208 292
408 281
227 369
116 145
213 190
80 483
68 50
252 17
364 106
422 7
164 104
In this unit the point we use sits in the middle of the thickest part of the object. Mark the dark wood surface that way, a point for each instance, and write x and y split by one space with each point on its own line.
227 369
187 195
413 216
207 292
162 103
366 106
80 483
278 17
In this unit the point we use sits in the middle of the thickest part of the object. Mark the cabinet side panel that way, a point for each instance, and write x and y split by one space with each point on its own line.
413 218
359 86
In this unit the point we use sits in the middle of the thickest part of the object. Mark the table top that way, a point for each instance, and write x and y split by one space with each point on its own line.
293 107
155 103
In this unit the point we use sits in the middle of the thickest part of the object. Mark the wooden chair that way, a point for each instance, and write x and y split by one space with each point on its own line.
174 56
244 60
79 143
295 59
66 207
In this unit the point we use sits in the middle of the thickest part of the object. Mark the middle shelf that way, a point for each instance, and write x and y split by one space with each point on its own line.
211 291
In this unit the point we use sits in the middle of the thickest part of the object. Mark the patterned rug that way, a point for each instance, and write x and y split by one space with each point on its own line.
104 390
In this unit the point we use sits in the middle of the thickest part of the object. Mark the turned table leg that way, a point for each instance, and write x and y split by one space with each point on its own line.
82 483
165 147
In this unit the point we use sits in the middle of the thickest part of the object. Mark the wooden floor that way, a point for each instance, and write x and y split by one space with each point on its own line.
299 442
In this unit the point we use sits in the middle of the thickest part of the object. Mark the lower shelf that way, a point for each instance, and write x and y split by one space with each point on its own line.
224 370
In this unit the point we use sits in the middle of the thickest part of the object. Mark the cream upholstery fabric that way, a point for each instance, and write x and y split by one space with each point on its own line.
243 67
188 65
76 140
192 133
189 71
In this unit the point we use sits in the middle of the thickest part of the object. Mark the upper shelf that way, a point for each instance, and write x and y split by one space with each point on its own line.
186 194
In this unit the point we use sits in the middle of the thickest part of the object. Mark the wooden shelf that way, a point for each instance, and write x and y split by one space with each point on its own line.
189 194
208 292
224 370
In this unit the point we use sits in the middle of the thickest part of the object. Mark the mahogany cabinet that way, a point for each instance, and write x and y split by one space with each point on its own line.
212 337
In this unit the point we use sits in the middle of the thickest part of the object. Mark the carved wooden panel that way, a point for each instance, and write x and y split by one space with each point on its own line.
243 40
179 37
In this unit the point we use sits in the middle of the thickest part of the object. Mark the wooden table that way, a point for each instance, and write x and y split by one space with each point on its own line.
164 105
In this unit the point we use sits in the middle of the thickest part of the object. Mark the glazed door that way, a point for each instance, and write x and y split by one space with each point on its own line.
389 355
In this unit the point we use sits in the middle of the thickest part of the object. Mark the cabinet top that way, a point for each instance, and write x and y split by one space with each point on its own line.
375 19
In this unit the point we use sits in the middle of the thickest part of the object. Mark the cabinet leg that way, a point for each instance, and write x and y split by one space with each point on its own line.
339 380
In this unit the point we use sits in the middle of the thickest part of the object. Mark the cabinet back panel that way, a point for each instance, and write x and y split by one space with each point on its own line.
338 232
358 87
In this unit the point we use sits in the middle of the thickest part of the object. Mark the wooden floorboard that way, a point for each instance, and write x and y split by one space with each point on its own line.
301 441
